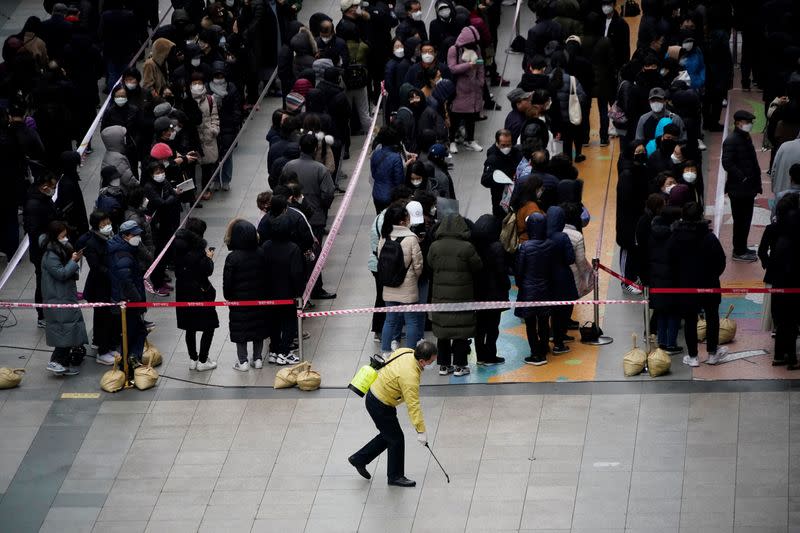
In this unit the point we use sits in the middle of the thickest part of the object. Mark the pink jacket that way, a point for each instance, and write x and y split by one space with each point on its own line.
468 78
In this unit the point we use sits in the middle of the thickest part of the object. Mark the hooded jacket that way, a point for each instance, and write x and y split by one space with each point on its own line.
455 264
65 327
407 292
317 185
192 270
154 70
563 280
305 50
469 79
243 279
442 29
127 283
284 260
697 259
492 284
114 141
535 267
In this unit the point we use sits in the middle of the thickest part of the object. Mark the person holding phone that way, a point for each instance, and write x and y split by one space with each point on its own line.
466 65
65 330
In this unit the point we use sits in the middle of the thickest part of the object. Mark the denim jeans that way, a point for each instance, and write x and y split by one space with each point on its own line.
415 324
668 325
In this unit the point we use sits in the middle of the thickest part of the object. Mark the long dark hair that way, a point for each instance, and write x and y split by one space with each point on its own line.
528 192
394 216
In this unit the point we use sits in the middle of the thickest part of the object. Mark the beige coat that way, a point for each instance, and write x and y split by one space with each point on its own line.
36 47
208 130
153 77
581 268
407 292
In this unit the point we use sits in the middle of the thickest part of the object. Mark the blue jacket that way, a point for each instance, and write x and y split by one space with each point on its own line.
388 172
127 282
563 280
696 68
535 266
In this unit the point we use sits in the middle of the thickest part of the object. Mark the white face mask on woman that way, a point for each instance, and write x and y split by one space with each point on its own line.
416 183
689 177
159 178
108 229
657 107
136 240
416 15
195 61
747 127
428 58
198 90
399 53
120 101
64 241
675 159
505 150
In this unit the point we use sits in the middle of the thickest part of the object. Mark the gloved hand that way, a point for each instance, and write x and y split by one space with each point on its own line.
422 438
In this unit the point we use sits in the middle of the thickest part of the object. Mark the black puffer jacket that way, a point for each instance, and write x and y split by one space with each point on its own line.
284 260
660 264
698 260
740 161
98 281
631 197
243 279
492 283
192 270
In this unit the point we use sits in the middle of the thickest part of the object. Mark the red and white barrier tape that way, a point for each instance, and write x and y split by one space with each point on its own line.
340 214
620 277
461 306
236 303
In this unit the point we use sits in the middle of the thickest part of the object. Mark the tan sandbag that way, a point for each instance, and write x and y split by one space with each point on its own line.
701 329
308 379
634 361
145 377
287 377
151 351
10 377
727 327
658 363
114 379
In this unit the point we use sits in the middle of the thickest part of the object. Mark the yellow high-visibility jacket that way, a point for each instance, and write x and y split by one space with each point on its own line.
398 382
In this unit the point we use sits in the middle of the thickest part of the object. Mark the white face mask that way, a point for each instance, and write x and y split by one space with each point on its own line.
198 90
505 150
445 13
120 101
399 53
64 241
668 188
107 229
222 42
195 61
682 61
172 135
675 159
657 107
747 126
136 240
689 177
219 88
300 199
607 9
416 15
428 58
416 183
145 203
114 183
131 86
325 40
688 46
159 178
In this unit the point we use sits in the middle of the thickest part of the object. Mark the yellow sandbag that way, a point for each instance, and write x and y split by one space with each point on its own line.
287 377
114 379
308 379
727 327
10 377
634 361
145 377
151 351
701 329
658 363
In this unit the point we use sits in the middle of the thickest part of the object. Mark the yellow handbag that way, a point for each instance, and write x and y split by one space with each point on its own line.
634 361
114 379
10 377
151 351
287 377
145 377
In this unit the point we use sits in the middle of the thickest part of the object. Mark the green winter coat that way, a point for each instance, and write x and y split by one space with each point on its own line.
65 327
454 263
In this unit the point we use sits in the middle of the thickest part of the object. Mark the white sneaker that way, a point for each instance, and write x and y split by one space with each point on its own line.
701 145
214 186
288 359
690 361
473 146
258 364
395 345
453 148
461 371
226 186
376 338
445 370
55 368
105 359
630 289
242 367
208 365
192 364
715 358
272 358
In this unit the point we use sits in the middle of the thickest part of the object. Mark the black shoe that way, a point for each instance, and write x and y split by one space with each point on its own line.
402 482
361 469
346 155
779 362
323 295
492 362
536 360
573 324
748 257
560 348
580 158
671 350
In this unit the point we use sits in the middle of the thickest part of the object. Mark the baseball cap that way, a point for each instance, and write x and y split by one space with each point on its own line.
415 213
657 93
162 124
437 151
516 95
130 227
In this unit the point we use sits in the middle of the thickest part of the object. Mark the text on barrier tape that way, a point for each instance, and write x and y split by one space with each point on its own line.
726 290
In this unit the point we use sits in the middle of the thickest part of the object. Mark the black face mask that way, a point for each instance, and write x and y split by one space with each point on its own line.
640 158
668 146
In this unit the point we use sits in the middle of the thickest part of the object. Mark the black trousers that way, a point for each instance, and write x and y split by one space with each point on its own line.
712 106
283 329
105 329
378 318
711 311
486 334
452 352
742 214
561 315
537 328
205 345
390 437
37 295
61 356
785 316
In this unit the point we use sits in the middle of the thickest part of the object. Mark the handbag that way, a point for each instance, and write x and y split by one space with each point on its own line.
618 117
575 114
590 332
631 9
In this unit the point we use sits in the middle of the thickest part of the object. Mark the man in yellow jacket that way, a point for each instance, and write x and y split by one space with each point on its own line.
397 382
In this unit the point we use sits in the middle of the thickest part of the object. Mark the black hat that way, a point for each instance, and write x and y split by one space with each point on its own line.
744 115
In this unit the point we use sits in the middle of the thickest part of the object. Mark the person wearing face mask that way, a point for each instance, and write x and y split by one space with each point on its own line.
691 59
443 29
37 213
105 326
428 71
354 29
743 181
645 128
412 24
155 73
631 197
124 113
394 76
132 81
328 40
137 211
165 207
229 101
413 104
65 330
207 130
127 284
502 156
192 63
114 139
418 178
617 31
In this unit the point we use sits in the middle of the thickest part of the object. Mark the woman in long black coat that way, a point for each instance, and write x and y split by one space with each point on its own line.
193 266
244 279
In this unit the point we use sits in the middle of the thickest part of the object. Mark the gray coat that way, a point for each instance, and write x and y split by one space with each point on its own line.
65 327
114 141
317 185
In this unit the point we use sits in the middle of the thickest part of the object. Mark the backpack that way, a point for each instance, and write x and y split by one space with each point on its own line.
355 77
509 237
111 200
392 267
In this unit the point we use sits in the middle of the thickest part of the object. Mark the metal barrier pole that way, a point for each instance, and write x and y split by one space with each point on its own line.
125 366
647 317
299 307
601 339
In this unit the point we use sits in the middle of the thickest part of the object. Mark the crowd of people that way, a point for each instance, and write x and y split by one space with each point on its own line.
173 118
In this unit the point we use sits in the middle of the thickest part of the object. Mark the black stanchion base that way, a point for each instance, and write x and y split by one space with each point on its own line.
602 340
